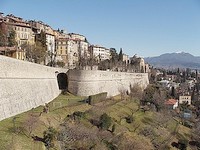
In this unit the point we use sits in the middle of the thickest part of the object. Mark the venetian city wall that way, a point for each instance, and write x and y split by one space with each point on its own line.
89 82
25 85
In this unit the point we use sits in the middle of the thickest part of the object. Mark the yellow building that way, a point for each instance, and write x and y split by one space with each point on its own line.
68 51
13 52
24 33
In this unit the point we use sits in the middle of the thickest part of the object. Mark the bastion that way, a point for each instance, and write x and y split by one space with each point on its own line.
25 85
89 82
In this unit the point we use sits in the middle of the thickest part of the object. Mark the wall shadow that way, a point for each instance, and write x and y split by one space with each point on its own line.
62 81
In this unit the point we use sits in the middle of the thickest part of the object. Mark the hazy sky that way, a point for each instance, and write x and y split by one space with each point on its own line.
143 27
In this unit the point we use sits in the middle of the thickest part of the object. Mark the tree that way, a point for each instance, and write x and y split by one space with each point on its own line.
30 123
42 39
158 99
60 64
114 55
28 49
104 65
148 93
49 137
196 75
136 92
105 121
11 38
3 35
34 53
40 50
173 92
120 55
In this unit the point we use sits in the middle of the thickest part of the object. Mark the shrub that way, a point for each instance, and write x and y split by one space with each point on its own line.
110 145
78 114
93 99
105 121
49 136
129 119
113 128
182 144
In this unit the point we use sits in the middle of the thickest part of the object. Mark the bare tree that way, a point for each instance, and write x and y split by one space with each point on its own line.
122 92
30 124
136 91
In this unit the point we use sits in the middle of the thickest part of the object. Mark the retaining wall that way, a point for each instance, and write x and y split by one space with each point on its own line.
89 82
25 85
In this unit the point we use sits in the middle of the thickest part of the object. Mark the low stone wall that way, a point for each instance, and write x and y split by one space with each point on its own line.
89 82
25 85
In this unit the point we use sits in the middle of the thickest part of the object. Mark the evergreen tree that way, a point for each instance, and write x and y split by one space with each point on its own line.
105 121
42 39
120 55
11 38
173 92
114 55
196 75
41 47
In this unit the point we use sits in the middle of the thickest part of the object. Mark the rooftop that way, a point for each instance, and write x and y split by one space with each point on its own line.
171 102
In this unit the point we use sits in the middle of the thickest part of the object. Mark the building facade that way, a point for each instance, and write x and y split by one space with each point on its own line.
99 53
71 49
37 27
185 99
23 34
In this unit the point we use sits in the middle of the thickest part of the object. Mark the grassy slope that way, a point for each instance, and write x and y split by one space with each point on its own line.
64 105
59 109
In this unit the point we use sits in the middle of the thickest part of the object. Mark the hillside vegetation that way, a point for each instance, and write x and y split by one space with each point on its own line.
70 123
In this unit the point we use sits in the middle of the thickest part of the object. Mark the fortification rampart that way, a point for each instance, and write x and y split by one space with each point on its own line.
88 82
25 85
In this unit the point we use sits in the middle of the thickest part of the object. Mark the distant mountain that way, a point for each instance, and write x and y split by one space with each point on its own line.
174 60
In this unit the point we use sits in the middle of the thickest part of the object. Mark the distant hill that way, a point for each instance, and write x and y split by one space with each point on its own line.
174 60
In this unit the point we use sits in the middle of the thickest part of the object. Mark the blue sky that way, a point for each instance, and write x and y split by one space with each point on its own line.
142 27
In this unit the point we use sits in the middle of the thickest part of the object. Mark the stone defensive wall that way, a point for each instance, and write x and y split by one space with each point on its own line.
89 82
25 85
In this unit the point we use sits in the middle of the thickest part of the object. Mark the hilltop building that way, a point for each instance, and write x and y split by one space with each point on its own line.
99 53
185 99
125 58
23 34
71 48
37 27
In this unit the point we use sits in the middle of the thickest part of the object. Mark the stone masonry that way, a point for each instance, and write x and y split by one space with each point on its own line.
25 85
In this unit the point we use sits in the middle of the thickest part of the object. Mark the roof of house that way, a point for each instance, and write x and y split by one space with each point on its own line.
171 102
8 48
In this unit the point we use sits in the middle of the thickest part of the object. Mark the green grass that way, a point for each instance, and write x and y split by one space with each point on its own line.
12 131
13 137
